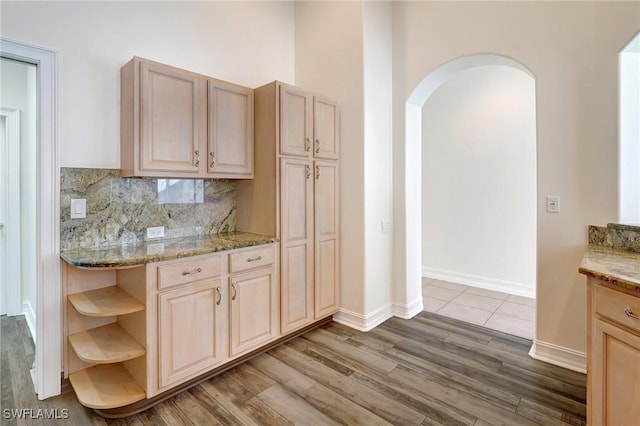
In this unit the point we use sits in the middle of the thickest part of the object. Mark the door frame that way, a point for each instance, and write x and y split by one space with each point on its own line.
48 284
11 158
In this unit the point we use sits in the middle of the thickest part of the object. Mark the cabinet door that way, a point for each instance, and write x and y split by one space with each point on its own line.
326 238
230 145
189 335
295 121
296 244
615 380
173 120
254 308
326 128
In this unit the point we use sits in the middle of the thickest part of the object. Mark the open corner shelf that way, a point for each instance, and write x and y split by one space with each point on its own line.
105 302
106 386
107 344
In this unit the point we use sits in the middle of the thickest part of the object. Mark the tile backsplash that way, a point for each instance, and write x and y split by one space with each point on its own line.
120 209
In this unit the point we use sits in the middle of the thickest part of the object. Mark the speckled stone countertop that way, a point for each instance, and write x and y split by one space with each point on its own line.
615 266
154 251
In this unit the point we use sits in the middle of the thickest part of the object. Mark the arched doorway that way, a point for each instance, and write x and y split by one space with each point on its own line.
438 78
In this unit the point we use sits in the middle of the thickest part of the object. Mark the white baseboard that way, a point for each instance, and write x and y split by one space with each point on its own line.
363 322
407 311
494 284
30 317
559 355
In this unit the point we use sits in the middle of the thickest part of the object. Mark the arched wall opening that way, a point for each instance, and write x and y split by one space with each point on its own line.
479 181
629 134
413 156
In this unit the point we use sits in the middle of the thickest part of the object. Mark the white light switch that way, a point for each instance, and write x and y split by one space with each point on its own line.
78 208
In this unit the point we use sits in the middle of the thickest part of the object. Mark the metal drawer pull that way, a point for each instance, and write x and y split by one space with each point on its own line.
218 290
308 169
194 271
308 145
254 259
233 286
628 312
212 158
317 172
317 146
197 153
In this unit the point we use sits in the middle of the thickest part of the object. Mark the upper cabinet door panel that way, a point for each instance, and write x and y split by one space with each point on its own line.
326 128
173 119
230 130
295 121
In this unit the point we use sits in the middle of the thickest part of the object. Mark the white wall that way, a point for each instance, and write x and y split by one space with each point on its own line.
479 180
630 132
18 89
249 43
572 49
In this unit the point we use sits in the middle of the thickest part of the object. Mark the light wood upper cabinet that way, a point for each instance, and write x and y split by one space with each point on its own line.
230 149
326 128
296 243
175 123
326 247
296 126
189 334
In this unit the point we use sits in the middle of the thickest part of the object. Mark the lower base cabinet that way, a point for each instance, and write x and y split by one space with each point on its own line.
165 323
613 356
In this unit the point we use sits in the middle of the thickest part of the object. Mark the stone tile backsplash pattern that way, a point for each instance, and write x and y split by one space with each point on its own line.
616 235
120 209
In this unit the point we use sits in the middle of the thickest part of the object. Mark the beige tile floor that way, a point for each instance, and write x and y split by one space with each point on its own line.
492 309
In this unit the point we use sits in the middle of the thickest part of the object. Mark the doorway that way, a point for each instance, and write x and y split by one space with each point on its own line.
471 125
48 299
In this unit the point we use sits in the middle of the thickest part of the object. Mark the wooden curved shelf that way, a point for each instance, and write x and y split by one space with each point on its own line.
106 386
105 345
105 302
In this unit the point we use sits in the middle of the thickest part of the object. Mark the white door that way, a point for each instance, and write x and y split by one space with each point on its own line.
3 215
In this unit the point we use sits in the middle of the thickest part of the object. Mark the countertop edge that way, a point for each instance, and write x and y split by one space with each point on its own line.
617 267
115 262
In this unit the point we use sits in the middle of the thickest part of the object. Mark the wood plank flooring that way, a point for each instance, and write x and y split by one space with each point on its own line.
429 370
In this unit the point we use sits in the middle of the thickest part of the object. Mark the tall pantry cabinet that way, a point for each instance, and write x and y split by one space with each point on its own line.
297 179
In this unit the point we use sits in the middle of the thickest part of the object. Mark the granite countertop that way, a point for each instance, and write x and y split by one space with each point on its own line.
154 251
615 266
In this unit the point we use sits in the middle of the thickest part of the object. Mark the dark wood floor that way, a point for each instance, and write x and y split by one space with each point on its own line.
429 370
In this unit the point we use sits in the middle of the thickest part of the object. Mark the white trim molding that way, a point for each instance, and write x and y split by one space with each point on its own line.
487 283
12 210
407 311
48 280
363 322
559 355
30 317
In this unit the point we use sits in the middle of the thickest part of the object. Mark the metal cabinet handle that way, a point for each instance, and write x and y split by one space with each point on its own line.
193 271
197 153
212 157
308 168
250 259
317 172
317 146
218 290
628 312
235 291
308 145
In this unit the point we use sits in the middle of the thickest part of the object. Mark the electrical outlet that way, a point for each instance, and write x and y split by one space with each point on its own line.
553 204
155 232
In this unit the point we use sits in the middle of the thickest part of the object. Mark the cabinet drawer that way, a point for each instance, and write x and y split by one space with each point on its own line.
249 259
188 271
614 304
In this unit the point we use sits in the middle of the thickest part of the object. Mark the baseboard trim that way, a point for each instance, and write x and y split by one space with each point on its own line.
407 311
504 286
30 317
559 355
363 322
